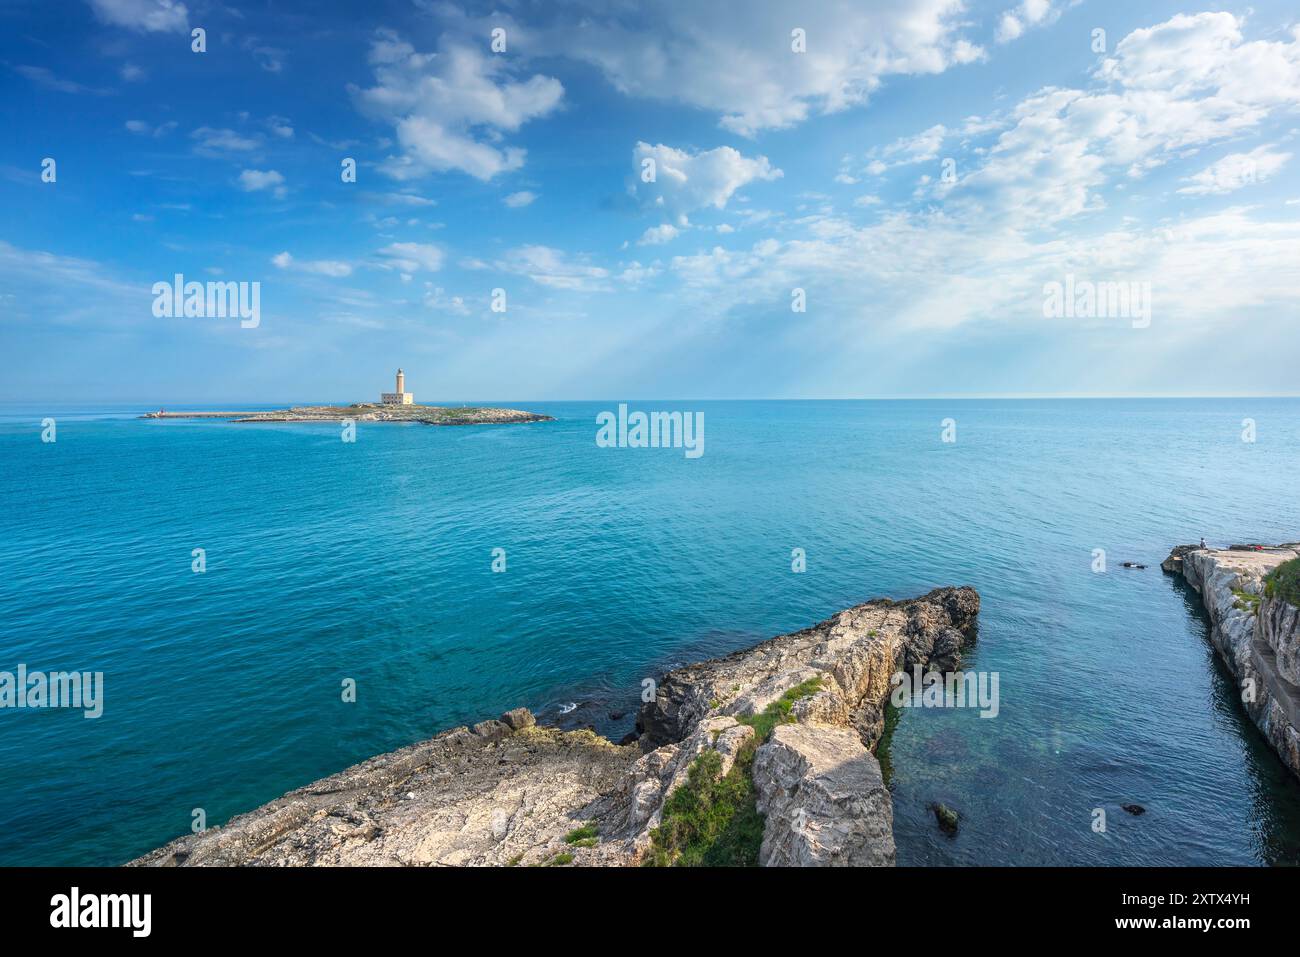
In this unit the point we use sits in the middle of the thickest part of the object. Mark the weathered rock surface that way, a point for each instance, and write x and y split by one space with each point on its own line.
459 798
508 792
856 652
824 800
1258 637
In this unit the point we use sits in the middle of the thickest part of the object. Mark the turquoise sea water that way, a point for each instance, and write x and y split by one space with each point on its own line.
373 561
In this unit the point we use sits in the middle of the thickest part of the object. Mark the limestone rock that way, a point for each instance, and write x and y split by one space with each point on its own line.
507 791
518 718
1259 640
824 799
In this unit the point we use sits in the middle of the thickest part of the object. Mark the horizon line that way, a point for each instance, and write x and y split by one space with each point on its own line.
152 403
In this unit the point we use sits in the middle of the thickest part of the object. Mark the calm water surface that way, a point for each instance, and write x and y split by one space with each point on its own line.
372 561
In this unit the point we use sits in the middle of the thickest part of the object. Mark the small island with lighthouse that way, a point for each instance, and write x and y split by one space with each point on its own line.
396 406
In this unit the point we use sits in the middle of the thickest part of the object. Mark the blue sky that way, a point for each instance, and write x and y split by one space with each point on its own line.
1167 158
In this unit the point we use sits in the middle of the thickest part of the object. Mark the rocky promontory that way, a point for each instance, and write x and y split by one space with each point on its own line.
764 756
371 412
1250 595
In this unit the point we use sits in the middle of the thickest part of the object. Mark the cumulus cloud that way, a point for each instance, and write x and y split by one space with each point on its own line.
743 67
280 127
1236 170
450 109
1167 91
1005 226
254 180
521 198
217 142
1031 13
412 257
657 235
554 268
144 16
685 181
320 267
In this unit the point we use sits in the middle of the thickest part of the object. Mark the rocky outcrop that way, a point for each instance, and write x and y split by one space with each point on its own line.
824 800
498 796
510 792
1257 636
858 651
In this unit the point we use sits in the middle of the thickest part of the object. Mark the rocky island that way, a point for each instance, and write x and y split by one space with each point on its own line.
1251 594
763 757
371 412
396 406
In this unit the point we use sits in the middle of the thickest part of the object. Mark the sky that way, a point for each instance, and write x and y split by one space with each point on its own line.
679 199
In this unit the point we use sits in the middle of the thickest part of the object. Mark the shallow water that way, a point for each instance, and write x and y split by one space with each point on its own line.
372 561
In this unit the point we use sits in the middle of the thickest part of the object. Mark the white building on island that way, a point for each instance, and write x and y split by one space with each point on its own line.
401 396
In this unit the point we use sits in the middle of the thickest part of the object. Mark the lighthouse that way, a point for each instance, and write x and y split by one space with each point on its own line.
401 396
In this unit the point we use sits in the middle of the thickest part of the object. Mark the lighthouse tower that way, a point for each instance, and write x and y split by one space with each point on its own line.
401 396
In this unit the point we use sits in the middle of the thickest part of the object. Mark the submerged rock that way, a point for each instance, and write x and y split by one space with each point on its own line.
1135 809
948 818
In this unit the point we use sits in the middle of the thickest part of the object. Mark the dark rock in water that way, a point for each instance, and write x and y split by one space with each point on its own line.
947 818
1133 565
629 738
1174 563
1134 809
617 715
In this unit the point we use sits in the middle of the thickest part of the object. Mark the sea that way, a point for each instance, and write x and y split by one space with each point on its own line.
232 582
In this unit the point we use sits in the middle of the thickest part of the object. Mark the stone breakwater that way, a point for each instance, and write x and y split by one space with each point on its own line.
1256 635
507 791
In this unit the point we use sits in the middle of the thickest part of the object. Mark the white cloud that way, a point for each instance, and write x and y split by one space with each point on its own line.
1031 13
657 235
280 127
141 128
552 267
1167 91
688 181
1005 226
253 180
412 257
402 199
215 142
437 299
450 109
320 267
49 80
521 198
920 148
145 16
130 72
1235 171
742 66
